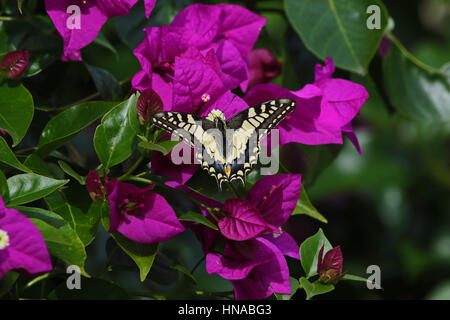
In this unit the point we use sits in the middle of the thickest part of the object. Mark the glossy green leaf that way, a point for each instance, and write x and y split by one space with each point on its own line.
105 82
8 157
92 289
67 124
4 191
62 241
304 206
415 89
142 254
115 138
35 33
84 224
197 217
315 288
294 288
309 252
71 172
164 146
338 29
16 109
28 187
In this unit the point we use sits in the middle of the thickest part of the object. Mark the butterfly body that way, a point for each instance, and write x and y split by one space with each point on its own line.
226 149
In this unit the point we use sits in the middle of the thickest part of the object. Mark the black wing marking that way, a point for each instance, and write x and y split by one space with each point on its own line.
189 127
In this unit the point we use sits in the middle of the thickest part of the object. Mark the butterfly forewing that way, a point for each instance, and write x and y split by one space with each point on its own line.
189 127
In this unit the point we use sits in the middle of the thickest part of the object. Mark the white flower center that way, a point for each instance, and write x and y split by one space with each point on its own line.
4 239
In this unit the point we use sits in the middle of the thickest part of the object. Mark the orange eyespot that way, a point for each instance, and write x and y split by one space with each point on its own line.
227 170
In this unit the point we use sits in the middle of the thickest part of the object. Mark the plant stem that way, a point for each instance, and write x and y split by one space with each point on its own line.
132 168
199 262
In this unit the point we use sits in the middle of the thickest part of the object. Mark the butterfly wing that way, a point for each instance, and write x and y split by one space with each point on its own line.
250 126
189 127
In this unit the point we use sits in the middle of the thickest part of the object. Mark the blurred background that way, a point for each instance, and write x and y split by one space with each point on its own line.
389 206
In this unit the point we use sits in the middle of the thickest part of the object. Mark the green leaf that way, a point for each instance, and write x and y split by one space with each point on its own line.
185 271
67 124
16 109
115 137
164 146
105 82
39 166
4 191
91 289
84 224
8 157
28 187
338 29
294 287
104 42
197 217
353 278
36 34
415 89
142 254
62 241
68 169
315 288
304 206
309 252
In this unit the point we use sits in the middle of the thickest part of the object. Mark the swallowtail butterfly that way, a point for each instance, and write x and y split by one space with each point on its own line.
239 136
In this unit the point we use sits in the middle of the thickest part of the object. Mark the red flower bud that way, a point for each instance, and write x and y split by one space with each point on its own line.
148 104
15 63
97 191
263 66
330 267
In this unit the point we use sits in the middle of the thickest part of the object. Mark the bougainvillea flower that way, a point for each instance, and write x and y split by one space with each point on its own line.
15 63
268 205
256 268
93 15
223 21
163 166
140 214
263 66
201 54
324 109
329 267
22 247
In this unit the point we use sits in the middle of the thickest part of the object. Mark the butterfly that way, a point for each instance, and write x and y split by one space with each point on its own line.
226 149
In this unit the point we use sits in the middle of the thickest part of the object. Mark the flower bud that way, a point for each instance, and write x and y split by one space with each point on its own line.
330 267
148 104
15 63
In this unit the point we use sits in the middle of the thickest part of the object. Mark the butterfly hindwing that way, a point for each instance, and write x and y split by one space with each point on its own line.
251 125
